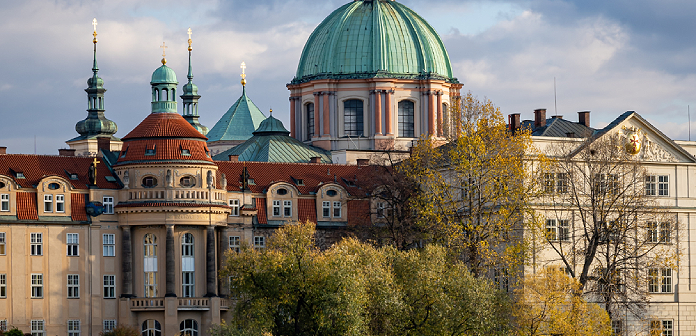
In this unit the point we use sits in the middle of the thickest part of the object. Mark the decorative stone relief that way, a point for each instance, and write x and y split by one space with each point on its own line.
654 152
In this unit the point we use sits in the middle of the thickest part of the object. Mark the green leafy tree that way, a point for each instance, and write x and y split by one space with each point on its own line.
14 332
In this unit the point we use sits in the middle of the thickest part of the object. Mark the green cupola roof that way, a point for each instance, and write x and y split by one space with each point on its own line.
239 122
163 75
377 38
271 126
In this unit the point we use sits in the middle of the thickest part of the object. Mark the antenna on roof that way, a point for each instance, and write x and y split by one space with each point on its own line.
555 104
688 112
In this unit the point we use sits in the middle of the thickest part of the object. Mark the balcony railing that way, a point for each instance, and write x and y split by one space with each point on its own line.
155 304
147 304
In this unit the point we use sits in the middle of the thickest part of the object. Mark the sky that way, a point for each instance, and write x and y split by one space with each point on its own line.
607 57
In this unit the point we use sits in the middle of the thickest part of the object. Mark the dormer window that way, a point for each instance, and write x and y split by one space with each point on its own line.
53 186
150 150
124 152
348 182
298 182
282 191
73 176
19 175
331 193
185 152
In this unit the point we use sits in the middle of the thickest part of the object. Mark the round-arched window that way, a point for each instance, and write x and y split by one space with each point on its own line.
187 181
282 191
150 245
152 328
53 186
2 185
149 182
188 327
331 193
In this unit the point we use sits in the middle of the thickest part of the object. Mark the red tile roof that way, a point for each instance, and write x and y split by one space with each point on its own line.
307 210
26 206
261 208
358 212
77 207
165 149
164 125
36 167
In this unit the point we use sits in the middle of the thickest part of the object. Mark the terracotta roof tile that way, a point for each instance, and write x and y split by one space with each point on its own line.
164 125
358 212
26 206
36 167
165 149
261 208
307 210
77 207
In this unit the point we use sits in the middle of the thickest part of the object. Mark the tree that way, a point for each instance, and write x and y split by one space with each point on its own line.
14 332
475 189
122 330
353 288
605 227
550 303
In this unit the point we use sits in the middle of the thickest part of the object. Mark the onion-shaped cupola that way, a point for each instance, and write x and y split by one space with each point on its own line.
164 85
96 124
191 96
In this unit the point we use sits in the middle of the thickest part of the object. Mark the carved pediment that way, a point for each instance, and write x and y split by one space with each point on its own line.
652 151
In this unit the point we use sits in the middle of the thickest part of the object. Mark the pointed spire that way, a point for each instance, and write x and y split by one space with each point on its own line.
190 69
95 67
190 96
243 75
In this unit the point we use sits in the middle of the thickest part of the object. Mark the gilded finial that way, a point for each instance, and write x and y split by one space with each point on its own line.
94 23
189 40
164 47
243 66
271 112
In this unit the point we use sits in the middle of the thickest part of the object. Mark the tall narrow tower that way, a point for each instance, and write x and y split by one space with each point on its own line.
96 132
190 97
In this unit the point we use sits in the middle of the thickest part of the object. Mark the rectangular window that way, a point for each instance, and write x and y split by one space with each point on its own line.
108 203
36 244
551 230
564 230
60 203
109 286
234 243
500 278
187 282
73 286
326 209
562 181
5 202
660 280
48 203
287 208
606 184
665 233
276 208
234 204
150 284
549 183
73 240
259 242
617 327
353 117
652 233
37 286
337 209
109 244
662 328
2 243
3 325
310 121
73 327
109 325
650 185
663 185
380 209
3 286
37 328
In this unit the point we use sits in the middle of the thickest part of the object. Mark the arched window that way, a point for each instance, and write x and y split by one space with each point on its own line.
155 95
165 95
309 109
187 245
152 328
189 328
406 125
353 118
173 95
150 265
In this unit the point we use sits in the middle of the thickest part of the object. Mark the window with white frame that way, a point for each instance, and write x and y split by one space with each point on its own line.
326 209
150 265
37 286
73 327
653 233
73 241
2 243
337 209
108 203
5 202
617 327
287 208
665 233
381 206
606 184
151 328
37 328
187 284
188 328
234 205
109 245
556 183
73 286
60 203
276 208
187 245
3 286
3 325
650 185
36 244
657 185
109 325
150 284
109 286
662 327
660 280
48 203
663 185
234 243
500 278
259 242
557 230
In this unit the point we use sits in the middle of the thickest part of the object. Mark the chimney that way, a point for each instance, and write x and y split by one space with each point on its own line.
66 152
315 159
3 150
234 158
539 118
514 122
104 143
584 118
363 162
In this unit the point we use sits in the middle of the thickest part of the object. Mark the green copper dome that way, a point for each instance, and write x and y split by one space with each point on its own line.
379 38
271 126
164 75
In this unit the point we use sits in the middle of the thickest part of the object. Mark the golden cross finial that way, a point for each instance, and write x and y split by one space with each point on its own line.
243 75
189 40
94 24
95 162
164 47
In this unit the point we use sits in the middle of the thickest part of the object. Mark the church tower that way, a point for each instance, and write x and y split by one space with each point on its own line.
190 97
96 131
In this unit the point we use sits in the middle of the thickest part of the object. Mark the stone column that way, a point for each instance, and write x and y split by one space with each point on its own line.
327 116
211 279
378 112
316 115
126 262
439 114
293 132
388 113
431 115
170 289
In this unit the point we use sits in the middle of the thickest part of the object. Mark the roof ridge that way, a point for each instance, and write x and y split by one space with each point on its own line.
292 163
